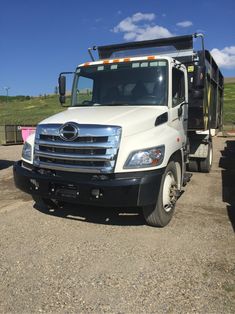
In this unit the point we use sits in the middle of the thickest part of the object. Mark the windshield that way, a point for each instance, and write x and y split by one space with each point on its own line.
124 83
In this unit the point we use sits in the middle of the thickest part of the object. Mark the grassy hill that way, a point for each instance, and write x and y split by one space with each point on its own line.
229 104
229 80
22 110
28 111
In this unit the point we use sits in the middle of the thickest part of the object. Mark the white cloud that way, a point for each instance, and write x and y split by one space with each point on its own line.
138 27
225 58
137 17
152 32
125 26
184 24
230 50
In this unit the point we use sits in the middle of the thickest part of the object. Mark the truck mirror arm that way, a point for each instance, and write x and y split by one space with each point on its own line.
180 109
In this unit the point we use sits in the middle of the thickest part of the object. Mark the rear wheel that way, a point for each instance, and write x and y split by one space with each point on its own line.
202 164
193 165
206 163
160 214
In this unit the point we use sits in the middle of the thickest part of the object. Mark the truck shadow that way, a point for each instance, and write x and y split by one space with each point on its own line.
6 164
227 163
97 215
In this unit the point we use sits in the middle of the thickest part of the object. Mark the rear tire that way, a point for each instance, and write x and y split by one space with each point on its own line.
206 163
193 166
160 214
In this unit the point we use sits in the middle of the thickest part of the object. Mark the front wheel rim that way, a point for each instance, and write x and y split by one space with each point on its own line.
169 192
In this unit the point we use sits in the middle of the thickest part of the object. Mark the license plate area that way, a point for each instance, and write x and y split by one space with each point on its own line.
65 190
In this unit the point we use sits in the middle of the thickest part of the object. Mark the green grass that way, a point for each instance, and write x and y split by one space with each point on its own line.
229 104
29 111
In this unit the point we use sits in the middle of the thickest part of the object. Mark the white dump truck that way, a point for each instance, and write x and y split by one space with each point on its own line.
139 117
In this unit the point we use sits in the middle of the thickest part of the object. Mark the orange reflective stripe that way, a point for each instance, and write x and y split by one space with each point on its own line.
119 60
151 58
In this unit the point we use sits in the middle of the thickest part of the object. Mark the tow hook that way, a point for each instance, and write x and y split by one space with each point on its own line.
96 193
35 184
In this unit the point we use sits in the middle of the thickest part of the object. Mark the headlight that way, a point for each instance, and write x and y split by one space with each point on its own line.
27 151
150 157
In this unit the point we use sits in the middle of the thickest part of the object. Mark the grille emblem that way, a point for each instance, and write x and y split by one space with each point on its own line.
69 131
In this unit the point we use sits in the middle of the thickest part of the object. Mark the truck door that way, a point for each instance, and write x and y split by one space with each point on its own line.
178 109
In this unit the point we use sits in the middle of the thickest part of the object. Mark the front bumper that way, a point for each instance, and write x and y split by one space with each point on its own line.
112 190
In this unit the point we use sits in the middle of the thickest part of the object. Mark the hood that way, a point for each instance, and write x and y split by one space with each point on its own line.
132 119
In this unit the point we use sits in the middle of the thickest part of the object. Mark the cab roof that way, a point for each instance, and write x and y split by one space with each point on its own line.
120 60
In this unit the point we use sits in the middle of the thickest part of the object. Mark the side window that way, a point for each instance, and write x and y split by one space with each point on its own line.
178 87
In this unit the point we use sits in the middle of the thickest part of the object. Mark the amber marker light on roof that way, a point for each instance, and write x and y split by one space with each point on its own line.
151 58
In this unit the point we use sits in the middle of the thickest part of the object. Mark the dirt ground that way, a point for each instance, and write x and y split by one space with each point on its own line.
93 260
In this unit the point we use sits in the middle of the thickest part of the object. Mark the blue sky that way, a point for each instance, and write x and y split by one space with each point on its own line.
41 38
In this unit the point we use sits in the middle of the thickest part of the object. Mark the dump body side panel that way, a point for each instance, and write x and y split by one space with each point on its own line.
207 101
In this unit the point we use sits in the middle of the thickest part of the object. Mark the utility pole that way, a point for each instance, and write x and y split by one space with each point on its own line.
7 94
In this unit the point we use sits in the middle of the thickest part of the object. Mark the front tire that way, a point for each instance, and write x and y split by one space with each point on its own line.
160 214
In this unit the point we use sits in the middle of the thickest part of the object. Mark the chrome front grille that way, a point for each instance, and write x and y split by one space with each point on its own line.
94 150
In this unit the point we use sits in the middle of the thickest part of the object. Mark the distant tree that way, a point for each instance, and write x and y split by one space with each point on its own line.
56 90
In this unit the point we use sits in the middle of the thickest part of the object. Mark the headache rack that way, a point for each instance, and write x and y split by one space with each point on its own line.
174 46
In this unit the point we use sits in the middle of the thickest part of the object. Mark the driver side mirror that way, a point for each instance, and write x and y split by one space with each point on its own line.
62 88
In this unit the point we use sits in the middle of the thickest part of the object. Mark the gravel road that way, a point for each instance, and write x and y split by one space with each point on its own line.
91 260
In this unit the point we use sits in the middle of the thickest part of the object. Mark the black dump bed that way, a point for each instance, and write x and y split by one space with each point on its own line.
147 47
204 101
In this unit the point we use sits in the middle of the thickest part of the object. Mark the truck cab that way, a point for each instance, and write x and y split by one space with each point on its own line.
123 141
137 95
